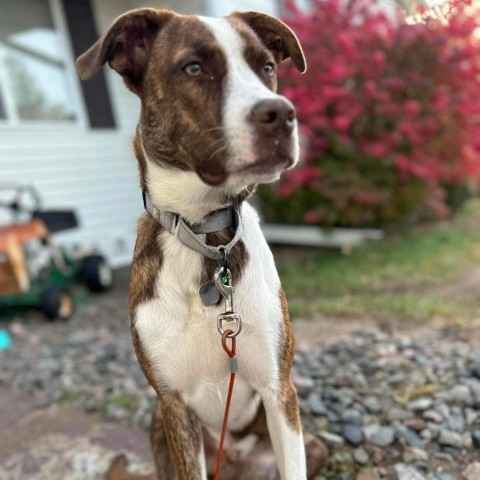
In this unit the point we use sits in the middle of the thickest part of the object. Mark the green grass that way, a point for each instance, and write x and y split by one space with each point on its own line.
392 279
339 462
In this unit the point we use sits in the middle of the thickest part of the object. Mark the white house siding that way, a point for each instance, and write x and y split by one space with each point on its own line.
92 172
216 7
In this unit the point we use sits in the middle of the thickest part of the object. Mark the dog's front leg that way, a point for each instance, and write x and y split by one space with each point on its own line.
184 438
283 420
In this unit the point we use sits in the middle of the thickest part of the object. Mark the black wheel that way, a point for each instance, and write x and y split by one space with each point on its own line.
96 273
56 303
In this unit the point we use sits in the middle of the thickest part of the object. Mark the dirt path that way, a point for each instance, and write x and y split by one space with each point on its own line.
59 442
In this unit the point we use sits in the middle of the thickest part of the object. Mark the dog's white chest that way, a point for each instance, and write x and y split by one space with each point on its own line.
181 339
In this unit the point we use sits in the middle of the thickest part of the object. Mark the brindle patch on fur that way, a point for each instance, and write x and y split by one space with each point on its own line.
288 394
182 116
184 435
275 35
142 163
255 52
147 263
161 454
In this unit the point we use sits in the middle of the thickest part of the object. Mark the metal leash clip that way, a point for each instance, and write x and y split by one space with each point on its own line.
223 282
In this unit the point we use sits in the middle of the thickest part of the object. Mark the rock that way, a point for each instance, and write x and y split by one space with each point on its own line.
333 440
406 472
360 455
332 416
370 474
421 359
467 440
442 476
409 436
371 430
472 472
427 435
412 454
399 415
433 416
456 422
397 378
460 394
476 370
471 416
351 415
372 405
415 423
352 433
304 385
420 404
384 437
443 410
476 438
450 439
316 405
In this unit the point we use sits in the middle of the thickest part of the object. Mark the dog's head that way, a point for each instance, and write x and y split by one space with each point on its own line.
207 88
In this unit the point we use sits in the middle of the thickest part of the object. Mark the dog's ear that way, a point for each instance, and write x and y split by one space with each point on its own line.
276 36
126 45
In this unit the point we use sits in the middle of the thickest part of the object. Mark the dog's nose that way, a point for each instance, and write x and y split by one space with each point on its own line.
274 116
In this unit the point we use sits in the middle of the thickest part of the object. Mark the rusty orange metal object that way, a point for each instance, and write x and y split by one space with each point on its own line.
13 269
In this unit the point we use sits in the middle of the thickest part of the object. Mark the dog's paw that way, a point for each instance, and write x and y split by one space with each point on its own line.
317 454
118 468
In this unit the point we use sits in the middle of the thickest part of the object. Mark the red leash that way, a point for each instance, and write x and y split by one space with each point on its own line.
231 353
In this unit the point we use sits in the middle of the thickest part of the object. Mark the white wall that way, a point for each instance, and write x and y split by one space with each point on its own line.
92 172
217 8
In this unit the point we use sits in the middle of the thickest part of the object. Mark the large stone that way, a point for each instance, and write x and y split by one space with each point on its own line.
476 370
372 404
304 385
450 439
476 438
360 455
412 454
316 405
442 476
460 394
406 472
420 404
370 474
472 472
351 415
455 421
332 439
384 437
433 416
352 434
471 416
409 436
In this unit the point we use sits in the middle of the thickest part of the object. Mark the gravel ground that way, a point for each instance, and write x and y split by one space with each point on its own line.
403 407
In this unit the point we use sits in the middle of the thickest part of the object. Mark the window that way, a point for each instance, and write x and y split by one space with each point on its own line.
33 79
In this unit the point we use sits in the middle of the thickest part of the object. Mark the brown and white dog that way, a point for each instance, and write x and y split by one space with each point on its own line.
211 128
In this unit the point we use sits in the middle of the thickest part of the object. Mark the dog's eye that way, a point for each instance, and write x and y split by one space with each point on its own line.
193 69
269 69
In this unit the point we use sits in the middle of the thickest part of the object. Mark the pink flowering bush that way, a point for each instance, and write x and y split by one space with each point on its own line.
389 115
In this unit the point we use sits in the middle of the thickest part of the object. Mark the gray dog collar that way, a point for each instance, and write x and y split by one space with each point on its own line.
193 235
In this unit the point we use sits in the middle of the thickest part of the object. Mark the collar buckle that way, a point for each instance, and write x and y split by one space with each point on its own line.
192 235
